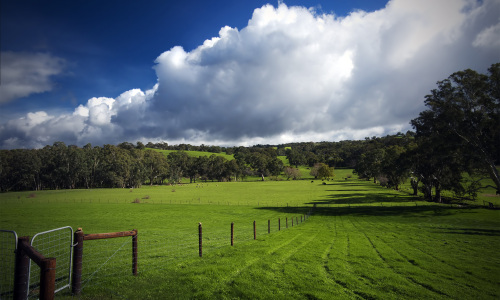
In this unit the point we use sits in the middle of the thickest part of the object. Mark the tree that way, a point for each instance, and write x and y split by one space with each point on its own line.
179 165
325 171
275 166
233 169
393 166
116 166
322 171
258 162
140 145
295 157
465 110
293 173
216 167
156 166
439 166
137 168
370 164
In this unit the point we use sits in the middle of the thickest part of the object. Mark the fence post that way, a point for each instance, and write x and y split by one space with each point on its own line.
76 282
200 239
232 233
279 224
254 231
292 221
268 226
300 219
134 253
47 278
21 270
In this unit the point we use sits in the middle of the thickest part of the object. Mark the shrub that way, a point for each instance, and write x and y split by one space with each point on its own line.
383 181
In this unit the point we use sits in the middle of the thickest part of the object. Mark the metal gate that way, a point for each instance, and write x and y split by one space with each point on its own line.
8 247
56 243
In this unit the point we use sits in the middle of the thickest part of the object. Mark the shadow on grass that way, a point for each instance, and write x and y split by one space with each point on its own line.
423 211
365 198
471 231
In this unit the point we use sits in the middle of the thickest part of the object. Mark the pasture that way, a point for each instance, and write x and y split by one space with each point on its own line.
195 153
361 241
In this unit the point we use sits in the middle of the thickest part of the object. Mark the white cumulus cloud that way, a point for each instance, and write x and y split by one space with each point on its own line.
295 73
292 74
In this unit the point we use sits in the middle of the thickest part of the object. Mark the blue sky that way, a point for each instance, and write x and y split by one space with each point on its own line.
229 72
110 46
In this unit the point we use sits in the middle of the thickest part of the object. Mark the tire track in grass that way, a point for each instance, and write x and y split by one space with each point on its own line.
423 239
327 257
427 237
457 276
409 278
291 251
275 259
299 259
411 261
364 286
251 262
351 284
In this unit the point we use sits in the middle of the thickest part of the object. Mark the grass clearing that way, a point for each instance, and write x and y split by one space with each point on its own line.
195 153
362 241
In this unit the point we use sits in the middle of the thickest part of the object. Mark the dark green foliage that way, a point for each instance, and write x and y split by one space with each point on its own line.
460 131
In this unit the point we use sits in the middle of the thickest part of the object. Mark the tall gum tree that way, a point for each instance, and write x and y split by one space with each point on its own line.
465 110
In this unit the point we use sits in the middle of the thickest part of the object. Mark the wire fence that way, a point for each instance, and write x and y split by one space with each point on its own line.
105 260
55 243
8 245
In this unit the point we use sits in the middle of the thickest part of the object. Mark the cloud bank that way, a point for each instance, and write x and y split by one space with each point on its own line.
291 74
23 74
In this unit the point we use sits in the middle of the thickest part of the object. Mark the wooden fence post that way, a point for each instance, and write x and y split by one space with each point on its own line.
200 239
254 231
232 233
21 270
292 221
76 282
47 278
279 224
134 253
268 226
24 253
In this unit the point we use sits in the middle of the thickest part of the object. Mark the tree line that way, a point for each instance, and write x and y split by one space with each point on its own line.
455 145
68 167
456 140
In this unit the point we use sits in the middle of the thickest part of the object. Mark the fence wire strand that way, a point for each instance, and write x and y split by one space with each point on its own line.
53 243
106 259
8 242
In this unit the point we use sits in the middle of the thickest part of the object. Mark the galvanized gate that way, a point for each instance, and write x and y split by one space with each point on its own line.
57 243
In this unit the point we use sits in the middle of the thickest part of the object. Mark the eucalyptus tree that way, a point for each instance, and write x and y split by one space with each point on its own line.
464 111
178 165
394 167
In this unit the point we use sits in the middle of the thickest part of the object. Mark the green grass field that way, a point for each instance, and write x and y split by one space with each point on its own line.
195 153
361 241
